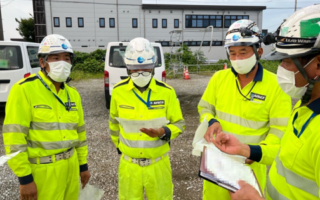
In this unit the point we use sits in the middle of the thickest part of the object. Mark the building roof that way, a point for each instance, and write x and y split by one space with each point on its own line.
201 7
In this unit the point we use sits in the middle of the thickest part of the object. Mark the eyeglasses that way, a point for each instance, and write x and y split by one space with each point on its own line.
136 74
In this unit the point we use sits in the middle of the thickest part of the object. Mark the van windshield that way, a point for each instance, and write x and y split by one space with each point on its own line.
117 53
10 57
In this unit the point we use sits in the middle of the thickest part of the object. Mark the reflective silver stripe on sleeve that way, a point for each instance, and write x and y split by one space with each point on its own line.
273 193
279 121
15 128
296 180
17 147
82 144
206 107
241 121
114 121
81 128
180 124
114 133
53 145
249 139
48 126
142 143
276 132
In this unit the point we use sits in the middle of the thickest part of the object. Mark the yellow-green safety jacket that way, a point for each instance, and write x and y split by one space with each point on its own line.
126 105
38 125
295 173
256 114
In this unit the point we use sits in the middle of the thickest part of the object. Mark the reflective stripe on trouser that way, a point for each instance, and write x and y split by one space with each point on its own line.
156 179
214 192
58 180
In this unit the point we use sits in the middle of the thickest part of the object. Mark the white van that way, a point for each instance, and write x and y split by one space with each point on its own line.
115 69
18 60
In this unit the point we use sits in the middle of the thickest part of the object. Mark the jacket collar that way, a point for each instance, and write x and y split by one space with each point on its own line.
49 82
315 106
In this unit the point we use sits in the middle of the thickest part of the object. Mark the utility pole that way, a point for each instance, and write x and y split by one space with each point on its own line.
295 6
1 28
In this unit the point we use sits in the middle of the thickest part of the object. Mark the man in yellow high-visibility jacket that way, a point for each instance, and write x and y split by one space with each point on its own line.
295 172
245 101
44 121
145 115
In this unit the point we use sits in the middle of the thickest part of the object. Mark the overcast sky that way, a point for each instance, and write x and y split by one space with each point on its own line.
276 11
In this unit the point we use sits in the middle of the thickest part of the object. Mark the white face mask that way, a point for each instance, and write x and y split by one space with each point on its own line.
59 71
141 81
244 66
287 82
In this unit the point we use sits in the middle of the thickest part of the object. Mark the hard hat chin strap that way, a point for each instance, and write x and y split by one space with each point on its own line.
307 96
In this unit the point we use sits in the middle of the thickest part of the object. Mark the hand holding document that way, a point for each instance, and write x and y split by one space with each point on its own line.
225 171
134 126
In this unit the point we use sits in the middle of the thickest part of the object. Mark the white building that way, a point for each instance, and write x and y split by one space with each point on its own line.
91 24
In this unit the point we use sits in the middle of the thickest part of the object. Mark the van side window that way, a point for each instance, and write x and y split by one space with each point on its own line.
10 57
32 53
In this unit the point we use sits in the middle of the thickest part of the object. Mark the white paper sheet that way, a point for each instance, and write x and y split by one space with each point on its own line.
4 159
90 192
134 126
228 169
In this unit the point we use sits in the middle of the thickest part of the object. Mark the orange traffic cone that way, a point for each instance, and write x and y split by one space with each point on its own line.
184 71
186 75
225 66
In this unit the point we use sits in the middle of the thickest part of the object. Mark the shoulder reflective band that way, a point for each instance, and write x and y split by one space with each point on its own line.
148 101
68 107
304 126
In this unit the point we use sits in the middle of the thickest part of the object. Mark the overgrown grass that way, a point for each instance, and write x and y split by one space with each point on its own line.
78 75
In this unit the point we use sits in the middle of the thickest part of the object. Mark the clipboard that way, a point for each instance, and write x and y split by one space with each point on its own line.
208 175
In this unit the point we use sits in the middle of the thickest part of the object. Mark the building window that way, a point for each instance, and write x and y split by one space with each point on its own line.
68 22
203 21
230 19
154 23
205 43
112 23
134 23
80 22
56 21
176 23
102 22
164 23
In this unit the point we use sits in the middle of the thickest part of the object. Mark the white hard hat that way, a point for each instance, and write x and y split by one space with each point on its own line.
298 36
243 33
53 44
140 54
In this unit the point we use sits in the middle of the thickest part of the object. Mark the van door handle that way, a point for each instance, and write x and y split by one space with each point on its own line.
123 77
4 81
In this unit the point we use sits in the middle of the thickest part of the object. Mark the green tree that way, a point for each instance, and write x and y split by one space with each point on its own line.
26 28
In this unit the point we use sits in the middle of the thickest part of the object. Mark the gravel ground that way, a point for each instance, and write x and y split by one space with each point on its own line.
103 159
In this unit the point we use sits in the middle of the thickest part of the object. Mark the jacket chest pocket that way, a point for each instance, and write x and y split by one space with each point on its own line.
43 113
290 151
157 112
72 115
127 112
255 110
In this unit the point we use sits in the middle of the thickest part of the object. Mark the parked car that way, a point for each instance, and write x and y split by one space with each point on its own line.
17 60
115 69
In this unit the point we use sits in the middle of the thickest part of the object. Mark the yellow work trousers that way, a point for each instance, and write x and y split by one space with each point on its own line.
156 179
214 192
58 180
